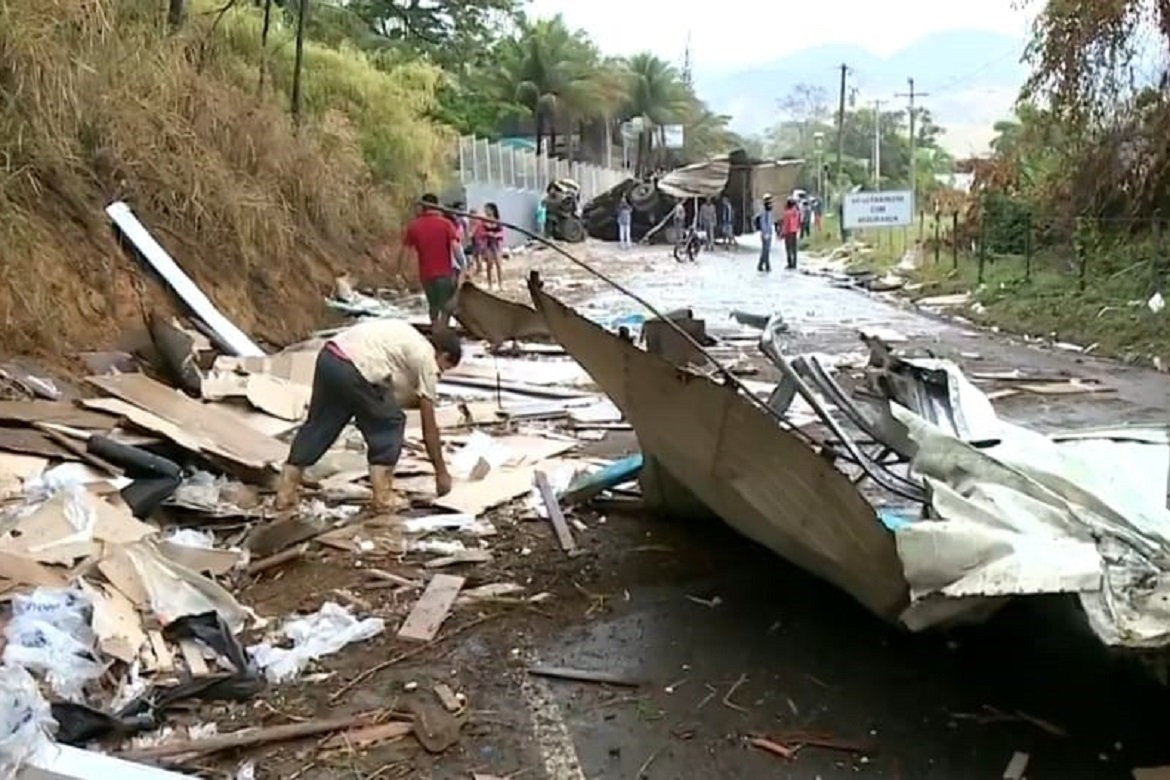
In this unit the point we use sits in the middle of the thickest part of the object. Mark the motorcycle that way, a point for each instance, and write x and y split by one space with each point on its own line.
689 246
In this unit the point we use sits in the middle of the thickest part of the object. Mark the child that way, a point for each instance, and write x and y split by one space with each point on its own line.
490 242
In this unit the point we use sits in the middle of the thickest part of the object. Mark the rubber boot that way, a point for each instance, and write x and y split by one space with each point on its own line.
384 498
288 488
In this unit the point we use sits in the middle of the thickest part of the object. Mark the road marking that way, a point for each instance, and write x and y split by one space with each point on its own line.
557 751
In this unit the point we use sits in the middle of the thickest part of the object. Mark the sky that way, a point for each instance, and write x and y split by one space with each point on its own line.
737 37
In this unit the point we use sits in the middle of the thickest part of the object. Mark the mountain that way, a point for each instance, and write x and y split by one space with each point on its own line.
972 78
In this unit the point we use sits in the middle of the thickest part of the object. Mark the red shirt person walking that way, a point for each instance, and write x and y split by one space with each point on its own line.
790 230
434 239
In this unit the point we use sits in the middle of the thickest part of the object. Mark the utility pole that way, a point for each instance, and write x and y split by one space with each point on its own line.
910 96
841 131
877 144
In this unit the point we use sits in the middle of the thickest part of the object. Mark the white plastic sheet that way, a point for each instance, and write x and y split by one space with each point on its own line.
322 633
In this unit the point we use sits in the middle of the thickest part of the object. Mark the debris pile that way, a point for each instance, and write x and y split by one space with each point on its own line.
136 524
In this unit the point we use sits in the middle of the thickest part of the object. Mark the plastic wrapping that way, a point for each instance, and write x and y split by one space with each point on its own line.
50 634
322 633
24 719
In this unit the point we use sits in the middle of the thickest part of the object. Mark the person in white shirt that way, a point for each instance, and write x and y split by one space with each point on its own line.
367 374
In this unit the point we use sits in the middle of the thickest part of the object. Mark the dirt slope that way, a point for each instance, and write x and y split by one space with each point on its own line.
99 102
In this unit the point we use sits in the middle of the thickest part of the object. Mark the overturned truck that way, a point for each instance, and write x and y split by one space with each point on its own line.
978 511
743 179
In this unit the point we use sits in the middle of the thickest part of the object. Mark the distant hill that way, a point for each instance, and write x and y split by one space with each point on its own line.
973 78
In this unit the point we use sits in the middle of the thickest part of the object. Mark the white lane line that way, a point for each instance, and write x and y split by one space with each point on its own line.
550 731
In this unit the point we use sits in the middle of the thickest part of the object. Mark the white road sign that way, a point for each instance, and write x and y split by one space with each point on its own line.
879 209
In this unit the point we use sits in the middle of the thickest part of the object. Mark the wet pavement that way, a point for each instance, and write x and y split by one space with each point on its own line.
936 707
826 318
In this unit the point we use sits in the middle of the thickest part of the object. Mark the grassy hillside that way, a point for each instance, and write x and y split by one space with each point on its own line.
99 101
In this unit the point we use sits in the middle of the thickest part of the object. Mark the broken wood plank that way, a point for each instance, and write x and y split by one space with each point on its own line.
56 412
1016 767
264 564
164 661
193 655
429 612
775 748
447 697
246 738
474 555
368 736
582 675
218 433
555 516
27 441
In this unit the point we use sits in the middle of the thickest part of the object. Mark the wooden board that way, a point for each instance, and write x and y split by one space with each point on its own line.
218 433
31 442
57 412
555 516
429 612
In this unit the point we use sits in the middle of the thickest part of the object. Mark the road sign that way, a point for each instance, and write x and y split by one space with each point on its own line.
879 209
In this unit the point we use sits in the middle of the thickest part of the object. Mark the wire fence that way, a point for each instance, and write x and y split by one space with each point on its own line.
997 246
483 161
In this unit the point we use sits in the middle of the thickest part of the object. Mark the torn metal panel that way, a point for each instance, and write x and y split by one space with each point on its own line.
699 180
794 384
1029 516
760 478
496 320
232 338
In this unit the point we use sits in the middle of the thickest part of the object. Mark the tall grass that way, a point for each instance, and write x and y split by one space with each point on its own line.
99 102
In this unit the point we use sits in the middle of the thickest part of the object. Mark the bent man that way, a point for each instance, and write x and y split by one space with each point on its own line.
368 373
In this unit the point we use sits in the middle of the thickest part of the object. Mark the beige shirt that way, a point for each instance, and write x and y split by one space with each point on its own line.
392 350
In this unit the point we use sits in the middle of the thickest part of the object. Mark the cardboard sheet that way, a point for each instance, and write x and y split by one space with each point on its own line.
192 424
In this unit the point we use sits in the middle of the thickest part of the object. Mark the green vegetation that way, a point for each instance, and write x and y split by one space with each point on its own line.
1065 233
808 131
270 144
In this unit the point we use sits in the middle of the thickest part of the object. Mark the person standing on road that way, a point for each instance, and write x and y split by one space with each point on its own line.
790 226
433 238
805 217
367 373
766 227
541 217
818 209
727 220
679 215
625 220
707 221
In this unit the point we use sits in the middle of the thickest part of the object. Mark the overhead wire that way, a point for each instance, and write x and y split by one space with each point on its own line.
728 377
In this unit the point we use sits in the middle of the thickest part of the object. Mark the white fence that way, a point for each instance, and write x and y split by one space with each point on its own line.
483 162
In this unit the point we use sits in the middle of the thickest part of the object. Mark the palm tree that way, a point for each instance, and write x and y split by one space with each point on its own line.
706 133
548 71
656 97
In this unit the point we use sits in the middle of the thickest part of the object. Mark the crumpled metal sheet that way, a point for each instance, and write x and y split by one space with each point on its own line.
1030 515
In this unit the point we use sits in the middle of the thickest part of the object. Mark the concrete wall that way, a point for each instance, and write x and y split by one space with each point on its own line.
516 206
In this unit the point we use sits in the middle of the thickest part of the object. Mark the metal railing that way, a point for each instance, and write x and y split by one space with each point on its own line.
480 160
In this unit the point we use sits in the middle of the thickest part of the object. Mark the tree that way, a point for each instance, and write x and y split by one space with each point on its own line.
807 105
299 60
706 133
448 32
656 97
547 71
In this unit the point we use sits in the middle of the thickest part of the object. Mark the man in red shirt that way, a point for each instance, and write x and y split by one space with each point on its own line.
434 238
790 230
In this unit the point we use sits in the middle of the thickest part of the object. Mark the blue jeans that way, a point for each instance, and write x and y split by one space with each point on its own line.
765 263
624 233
